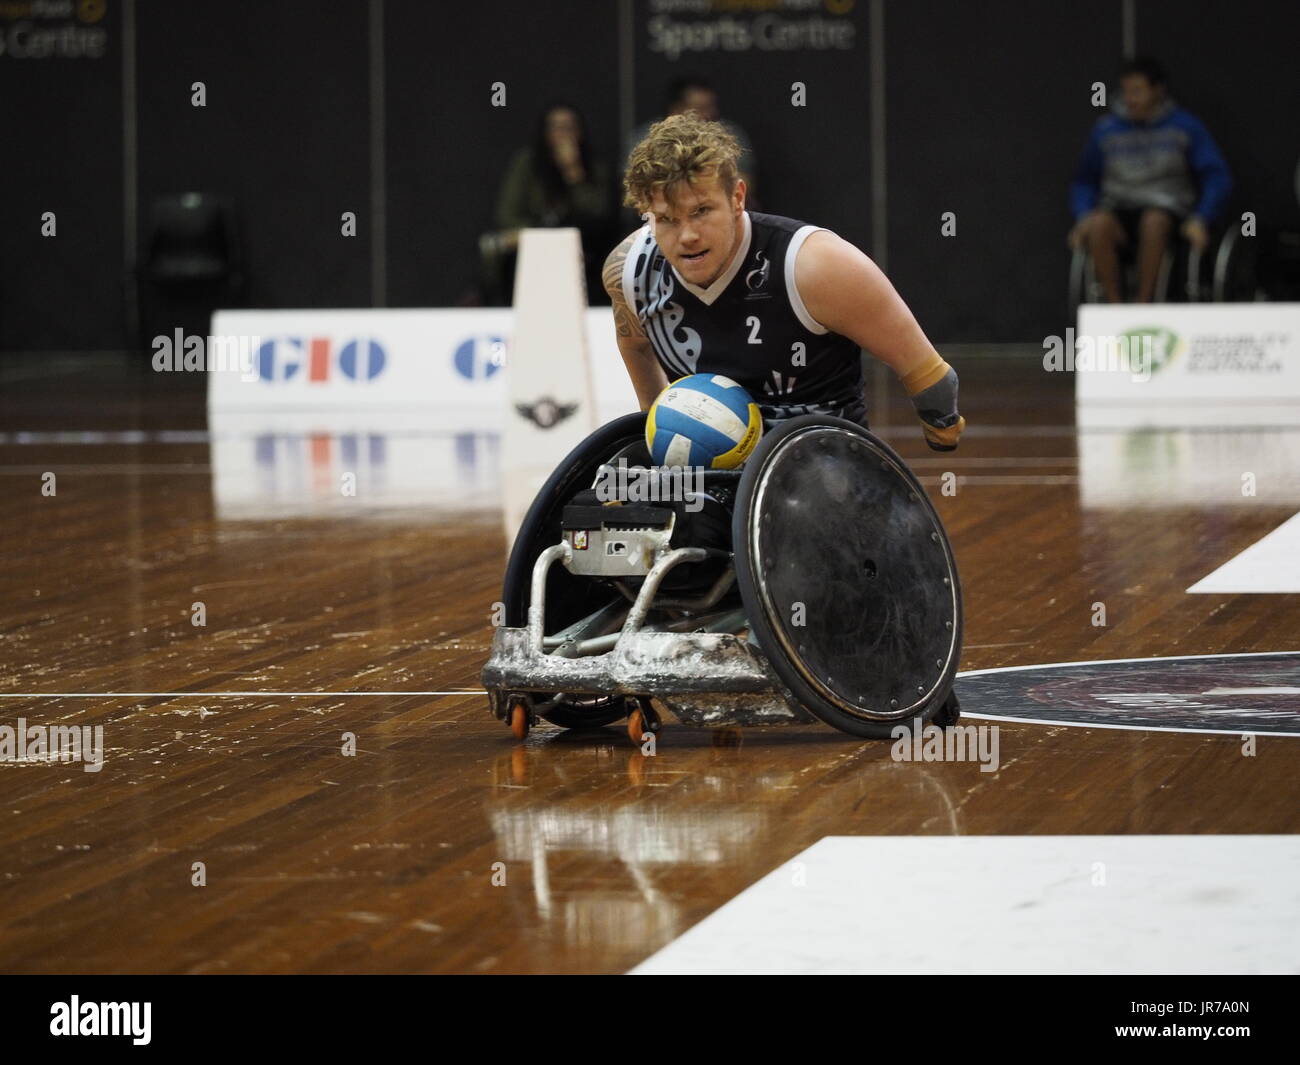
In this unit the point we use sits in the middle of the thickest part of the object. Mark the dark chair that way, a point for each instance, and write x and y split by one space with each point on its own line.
191 263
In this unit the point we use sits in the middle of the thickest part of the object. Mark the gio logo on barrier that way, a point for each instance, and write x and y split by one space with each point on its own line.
314 360
480 357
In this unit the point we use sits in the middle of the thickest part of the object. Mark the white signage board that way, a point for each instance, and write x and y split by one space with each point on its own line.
454 360
1191 354
413 402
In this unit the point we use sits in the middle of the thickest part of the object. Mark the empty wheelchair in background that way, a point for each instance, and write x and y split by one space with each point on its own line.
1224 272
823 548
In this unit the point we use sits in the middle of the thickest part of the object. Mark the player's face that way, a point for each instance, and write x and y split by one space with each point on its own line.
699 229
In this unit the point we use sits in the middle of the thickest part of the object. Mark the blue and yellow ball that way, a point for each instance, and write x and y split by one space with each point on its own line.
703 420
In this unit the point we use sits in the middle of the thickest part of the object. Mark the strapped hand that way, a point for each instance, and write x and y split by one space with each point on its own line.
933 388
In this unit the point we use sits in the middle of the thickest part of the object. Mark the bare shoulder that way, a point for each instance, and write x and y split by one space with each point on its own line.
612 273
833 276
824 255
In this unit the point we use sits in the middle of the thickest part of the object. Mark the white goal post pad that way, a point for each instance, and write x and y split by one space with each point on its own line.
551 402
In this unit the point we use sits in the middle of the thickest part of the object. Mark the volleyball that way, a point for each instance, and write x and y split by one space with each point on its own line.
703 420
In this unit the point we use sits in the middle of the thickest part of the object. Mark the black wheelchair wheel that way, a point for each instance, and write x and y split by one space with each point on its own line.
847 577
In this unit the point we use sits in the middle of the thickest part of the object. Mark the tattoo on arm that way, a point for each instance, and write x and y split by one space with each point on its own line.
625 319
625 322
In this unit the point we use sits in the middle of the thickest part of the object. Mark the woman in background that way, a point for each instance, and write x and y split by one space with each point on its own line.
556 181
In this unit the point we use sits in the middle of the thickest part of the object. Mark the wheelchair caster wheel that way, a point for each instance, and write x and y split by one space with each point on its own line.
642 720
519 723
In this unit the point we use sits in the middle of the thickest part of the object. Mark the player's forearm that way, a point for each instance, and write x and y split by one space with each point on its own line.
645 395
850 295
643 369
893 335
648 386
904 354
927 378
895 338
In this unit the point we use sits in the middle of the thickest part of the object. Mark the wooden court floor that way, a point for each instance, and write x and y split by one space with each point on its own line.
444 846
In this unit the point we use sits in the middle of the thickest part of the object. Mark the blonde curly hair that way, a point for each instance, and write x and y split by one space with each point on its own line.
680 148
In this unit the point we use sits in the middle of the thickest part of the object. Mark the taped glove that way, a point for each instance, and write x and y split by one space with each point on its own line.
933 388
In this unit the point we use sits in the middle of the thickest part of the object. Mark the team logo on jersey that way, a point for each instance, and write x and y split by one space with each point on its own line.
778 386
546 412
756 279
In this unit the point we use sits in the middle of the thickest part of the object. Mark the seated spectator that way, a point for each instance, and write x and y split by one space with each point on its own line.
1148 169
557 181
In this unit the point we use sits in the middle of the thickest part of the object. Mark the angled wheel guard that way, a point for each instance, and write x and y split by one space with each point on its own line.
825 547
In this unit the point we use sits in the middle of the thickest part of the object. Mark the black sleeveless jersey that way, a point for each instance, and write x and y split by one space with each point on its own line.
749 325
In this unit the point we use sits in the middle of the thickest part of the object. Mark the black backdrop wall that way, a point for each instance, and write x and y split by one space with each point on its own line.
61 154
384 108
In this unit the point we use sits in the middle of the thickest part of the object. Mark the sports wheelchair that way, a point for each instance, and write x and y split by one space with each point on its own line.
816 582
1225 272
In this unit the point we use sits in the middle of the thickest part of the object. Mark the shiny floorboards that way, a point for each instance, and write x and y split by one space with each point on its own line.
441 845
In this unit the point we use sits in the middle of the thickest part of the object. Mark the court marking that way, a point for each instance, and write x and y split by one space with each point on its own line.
965 713
1128 728
1009 904
218 695
1105 661
1269 566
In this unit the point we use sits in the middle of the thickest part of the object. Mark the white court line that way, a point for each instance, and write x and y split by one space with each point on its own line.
1270 565
1252 691
965 713
215 695
483 691
975 479
1110 661
1125 728
991 460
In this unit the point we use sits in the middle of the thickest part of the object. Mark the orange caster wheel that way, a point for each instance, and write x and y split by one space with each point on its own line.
642 720
519 723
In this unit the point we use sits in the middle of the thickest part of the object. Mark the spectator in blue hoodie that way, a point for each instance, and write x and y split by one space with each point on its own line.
1148 169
